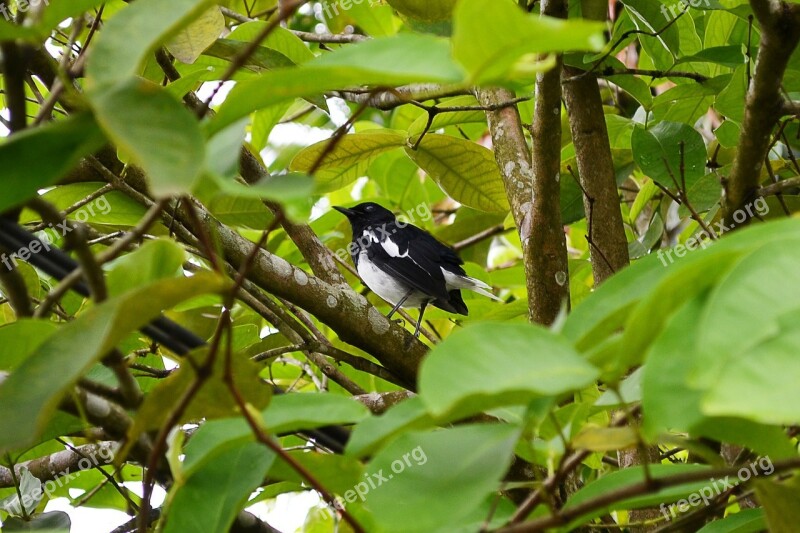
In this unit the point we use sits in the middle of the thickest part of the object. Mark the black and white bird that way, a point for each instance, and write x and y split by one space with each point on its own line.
405 265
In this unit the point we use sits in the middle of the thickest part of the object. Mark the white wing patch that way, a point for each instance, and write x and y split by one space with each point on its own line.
391 248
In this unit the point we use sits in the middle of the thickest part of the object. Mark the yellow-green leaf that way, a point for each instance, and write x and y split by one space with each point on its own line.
187 45
464 170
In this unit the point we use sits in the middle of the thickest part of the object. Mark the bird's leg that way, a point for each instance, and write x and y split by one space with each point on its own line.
419 321
398 304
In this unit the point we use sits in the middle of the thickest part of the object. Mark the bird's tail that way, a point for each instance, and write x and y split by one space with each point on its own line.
475 285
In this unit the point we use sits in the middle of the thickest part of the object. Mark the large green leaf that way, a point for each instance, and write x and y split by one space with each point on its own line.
20 338
189 43
657 151
745 521
153 261
492 38
464 170
25 171
31 393
492 364
669 403
351 154
407 415
211 497
419 465
150 125
749 338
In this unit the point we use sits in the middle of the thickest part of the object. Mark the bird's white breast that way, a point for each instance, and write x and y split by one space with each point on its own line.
384 285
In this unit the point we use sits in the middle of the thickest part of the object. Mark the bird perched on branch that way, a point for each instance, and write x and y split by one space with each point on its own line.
405 265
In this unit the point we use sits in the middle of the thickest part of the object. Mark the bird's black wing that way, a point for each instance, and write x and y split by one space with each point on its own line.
416 262
442 254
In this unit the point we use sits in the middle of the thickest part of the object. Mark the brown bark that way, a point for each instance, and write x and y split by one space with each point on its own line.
608 245
513 155
764 105
551 273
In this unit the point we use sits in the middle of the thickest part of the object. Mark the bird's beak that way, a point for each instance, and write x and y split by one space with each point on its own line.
345 211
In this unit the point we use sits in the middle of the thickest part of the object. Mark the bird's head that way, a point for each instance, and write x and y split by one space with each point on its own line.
367 214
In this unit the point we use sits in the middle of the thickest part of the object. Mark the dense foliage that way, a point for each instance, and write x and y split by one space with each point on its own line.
622 173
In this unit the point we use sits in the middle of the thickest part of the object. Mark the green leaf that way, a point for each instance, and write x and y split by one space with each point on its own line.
351 154
409 414
667 402
657 152
293 190
728 134
285 413
50 522
781 503
418 465
491 38
62 358
214 399
153 261
749 338
190 42
113 208
25 171
607 308
55 12
159 133
261 59
466 171
133 34
280 39
745 521
19 339
663 43
211 497
464 373
730 102
629 476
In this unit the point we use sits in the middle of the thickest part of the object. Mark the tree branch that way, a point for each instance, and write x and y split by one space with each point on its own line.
764 105
513 155
551 282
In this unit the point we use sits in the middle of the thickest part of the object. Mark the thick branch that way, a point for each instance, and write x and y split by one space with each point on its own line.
401 95
62 463
512 155
608 244
780 34
549 257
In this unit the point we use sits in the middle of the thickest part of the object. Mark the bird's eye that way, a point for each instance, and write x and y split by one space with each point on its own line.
370 208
